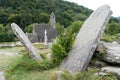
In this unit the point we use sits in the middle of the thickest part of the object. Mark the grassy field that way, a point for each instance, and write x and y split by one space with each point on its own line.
9 62
24 68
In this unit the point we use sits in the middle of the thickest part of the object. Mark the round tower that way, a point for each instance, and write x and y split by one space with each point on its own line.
52 20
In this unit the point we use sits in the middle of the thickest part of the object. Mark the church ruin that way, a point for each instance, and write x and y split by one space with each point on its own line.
39 31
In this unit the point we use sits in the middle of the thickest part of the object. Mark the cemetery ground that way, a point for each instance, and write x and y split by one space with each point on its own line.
8 63
20 66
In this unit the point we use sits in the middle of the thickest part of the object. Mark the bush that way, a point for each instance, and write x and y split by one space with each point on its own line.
29 28
6 33
58 53
64 41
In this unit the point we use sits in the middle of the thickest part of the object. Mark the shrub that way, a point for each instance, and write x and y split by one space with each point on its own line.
58 53
64 41
6 33
29 28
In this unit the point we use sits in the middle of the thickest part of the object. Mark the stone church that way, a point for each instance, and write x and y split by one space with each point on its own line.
40 30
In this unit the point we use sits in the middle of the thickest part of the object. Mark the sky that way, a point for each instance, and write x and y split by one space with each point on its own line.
94 4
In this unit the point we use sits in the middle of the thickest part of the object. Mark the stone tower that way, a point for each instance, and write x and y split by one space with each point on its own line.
52 20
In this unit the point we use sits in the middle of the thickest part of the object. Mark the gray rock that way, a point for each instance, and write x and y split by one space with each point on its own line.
112 52
112 70
25 41
2 75
100 74
86 40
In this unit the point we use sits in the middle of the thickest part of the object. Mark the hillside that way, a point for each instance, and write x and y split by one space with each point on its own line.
118 18
25 12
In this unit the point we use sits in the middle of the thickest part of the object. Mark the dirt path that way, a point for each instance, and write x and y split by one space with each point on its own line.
8 53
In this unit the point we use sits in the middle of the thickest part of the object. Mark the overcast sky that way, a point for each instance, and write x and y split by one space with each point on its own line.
94 4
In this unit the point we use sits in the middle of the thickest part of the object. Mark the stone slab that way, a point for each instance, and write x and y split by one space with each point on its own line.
113 70
86 40
111 52
26 42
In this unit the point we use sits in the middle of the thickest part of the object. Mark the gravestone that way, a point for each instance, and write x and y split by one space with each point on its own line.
86 40
45 37
25 41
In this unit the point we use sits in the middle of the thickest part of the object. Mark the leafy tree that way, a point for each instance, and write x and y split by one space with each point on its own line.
75 26
26 12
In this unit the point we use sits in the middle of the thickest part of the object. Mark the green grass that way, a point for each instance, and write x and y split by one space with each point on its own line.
12 49
16 70
24 68
109 38
21 74
6 61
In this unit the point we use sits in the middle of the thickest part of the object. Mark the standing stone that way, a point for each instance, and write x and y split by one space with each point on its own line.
26 42
45 37
86 40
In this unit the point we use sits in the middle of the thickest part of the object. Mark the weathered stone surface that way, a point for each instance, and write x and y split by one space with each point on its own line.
86 40
2 75
25 41
113 70
111 50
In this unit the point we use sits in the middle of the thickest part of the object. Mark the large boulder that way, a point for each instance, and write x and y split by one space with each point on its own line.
113 70
86 40
111 52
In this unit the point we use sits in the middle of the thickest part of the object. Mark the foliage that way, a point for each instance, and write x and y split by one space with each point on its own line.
75 26
6 34
64 41
23 66
109 38
113 28
28 64
29 28
111 32
26 12
58 53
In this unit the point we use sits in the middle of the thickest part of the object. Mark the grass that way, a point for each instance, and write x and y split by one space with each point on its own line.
21 74
109 38
12 49
6 61
14 71
24 68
